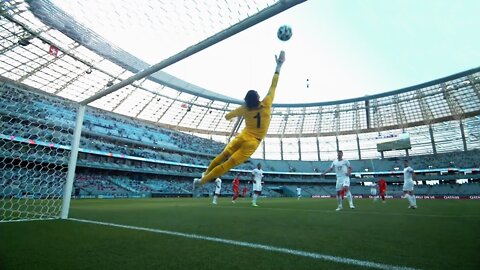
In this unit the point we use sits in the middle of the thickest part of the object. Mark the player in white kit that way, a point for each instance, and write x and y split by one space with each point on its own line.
299 193
343 170
408 173
218 188
257 175
373 191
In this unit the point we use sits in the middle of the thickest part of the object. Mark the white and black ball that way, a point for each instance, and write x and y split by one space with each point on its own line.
284 32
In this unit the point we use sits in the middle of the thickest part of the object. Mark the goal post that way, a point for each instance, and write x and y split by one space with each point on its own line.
40 134
72 163
224 34
250 21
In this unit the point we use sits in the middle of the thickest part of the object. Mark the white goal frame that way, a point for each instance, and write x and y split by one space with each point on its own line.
263 15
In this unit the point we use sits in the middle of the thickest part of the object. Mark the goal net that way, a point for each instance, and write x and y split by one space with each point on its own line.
85 51
33 155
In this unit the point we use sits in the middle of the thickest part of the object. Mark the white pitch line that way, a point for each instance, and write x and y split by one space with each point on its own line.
313 255
26 219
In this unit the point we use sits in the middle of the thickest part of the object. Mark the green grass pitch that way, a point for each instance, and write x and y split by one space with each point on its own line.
440 234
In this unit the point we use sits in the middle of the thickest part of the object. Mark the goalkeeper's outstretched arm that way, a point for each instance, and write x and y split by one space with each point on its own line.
280 59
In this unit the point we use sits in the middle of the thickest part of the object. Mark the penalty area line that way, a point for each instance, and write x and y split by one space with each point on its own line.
312 255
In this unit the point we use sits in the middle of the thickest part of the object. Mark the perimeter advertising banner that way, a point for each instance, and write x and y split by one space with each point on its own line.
422 197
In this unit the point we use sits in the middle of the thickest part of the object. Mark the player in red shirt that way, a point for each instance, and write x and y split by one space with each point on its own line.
244 192
382 188
236 185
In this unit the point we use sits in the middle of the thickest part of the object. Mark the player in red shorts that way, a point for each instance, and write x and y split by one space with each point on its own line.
236 185
382 188
244 192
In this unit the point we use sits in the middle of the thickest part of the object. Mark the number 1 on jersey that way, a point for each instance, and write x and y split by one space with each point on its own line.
259 118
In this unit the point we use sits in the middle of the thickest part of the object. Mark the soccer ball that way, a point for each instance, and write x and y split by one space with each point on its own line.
284 33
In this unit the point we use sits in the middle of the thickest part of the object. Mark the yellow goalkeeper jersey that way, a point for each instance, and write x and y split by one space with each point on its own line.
257 120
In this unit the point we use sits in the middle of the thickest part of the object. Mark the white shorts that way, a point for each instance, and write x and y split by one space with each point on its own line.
373 192
408 186
257 186
342 183
218 187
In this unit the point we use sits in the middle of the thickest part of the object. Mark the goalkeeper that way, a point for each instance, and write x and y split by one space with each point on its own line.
257 120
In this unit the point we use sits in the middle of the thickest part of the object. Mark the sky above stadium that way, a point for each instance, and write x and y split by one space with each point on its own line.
339 49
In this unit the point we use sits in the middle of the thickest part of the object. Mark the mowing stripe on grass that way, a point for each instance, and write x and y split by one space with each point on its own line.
317 256
352 211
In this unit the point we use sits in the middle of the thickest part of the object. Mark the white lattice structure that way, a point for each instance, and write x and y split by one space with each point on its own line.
33 168
49 45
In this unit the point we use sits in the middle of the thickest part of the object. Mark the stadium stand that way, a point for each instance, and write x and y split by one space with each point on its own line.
126 145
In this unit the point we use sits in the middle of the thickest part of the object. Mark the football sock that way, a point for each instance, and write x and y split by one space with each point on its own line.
216 161
220 170
349 197
409 199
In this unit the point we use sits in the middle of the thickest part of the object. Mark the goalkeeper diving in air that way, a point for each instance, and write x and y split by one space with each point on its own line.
257 120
